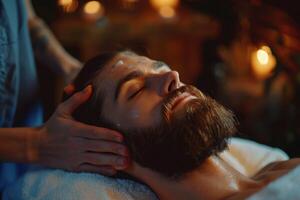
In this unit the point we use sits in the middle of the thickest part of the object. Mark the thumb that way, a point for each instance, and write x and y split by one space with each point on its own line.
68 107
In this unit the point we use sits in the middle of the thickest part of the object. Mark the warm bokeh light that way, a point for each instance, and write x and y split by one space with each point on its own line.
262 56
131 1
166 8
164 3
68 5
93 7
167 12
263 62
64 2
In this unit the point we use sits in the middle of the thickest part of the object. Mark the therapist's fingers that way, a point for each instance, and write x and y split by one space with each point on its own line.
68 107
118 162
67 144
104 147
106 170
92 132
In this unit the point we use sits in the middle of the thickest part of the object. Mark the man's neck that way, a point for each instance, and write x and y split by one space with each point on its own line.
214 179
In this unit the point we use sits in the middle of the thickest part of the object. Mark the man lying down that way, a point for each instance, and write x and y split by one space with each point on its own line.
175 135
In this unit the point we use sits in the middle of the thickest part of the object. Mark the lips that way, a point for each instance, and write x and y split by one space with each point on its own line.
181 100
178 98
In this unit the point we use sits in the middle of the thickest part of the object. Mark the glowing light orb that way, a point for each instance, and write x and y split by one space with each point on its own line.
166 8
68 5
164 3
65 2
262 56
263 62
167 12
93 7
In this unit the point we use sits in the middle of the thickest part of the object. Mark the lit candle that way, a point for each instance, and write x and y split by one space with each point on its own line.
68 5
166 8
263 62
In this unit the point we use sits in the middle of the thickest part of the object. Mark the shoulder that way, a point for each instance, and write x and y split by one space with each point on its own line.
276 170
288 164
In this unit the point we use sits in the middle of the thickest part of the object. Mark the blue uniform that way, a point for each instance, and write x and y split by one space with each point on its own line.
19 102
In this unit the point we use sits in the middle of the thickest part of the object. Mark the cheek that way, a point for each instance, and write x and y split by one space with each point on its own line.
135 113
145 111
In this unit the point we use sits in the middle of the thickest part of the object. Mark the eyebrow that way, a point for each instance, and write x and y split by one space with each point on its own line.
136 74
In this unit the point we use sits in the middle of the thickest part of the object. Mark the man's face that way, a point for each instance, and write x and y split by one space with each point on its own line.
169 127
135 88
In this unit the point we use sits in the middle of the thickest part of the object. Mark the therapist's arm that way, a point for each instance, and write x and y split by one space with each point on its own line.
48 50
66 144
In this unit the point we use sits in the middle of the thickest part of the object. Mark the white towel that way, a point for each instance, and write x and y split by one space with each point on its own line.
246 156
58 184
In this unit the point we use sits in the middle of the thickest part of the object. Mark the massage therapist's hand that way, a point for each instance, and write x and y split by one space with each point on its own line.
67 144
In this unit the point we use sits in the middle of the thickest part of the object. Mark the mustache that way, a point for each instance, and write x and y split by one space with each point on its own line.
168 102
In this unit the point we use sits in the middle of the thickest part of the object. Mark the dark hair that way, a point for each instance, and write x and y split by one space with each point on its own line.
89 112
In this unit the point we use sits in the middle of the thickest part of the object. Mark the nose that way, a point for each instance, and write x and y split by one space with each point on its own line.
167 82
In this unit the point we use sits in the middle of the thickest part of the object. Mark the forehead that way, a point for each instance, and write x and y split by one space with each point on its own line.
118 67
128 61
124 63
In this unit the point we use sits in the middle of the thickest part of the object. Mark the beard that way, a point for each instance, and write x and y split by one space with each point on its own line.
181 143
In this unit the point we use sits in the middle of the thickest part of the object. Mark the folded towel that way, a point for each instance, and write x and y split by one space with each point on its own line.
246 156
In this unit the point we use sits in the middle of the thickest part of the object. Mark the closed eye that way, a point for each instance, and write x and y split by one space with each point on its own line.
135 92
